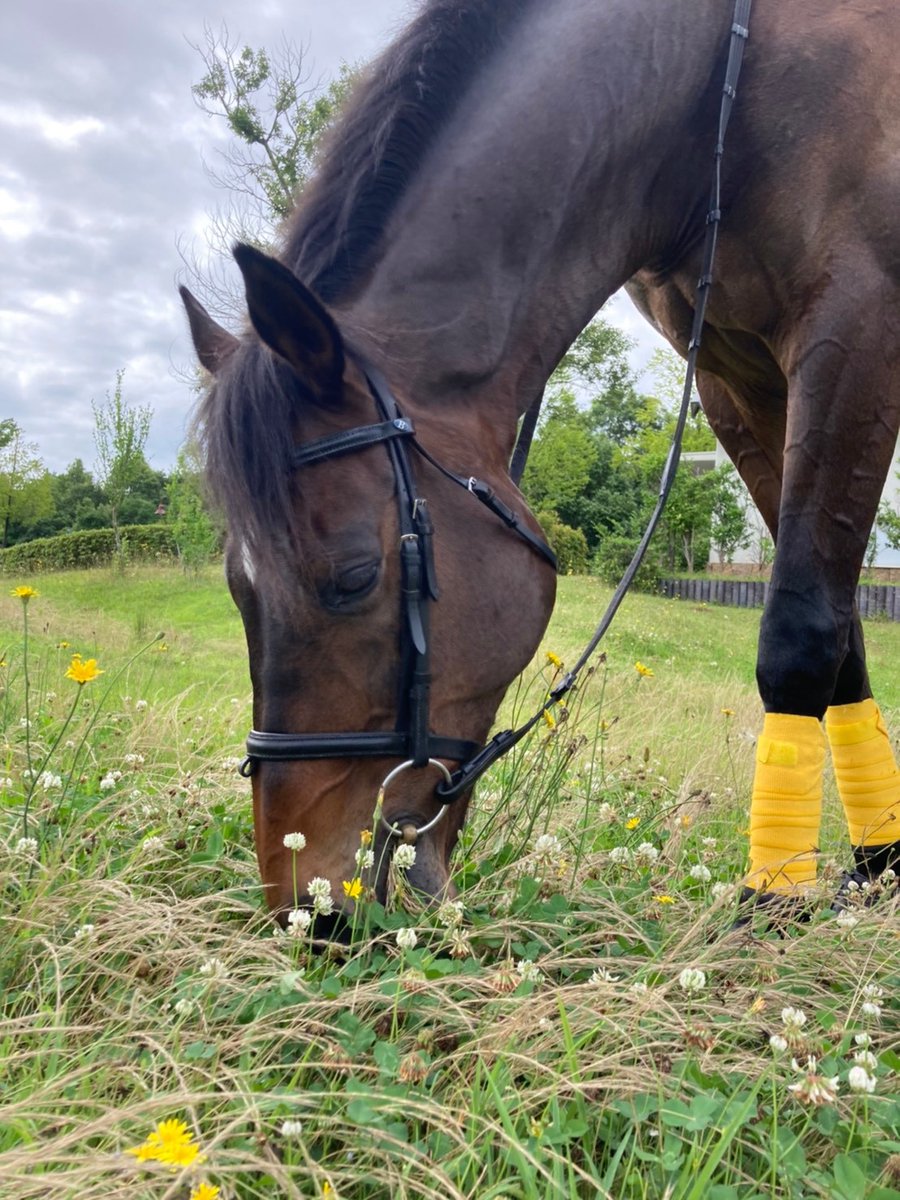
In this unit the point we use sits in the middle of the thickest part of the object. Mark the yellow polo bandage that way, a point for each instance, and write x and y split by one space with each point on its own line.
786 808
866 772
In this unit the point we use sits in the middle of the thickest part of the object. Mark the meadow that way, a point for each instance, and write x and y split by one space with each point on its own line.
585 1021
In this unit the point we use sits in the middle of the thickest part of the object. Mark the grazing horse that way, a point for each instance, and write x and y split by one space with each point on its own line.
503 168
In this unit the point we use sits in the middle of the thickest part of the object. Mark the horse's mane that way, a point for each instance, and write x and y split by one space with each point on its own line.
393 118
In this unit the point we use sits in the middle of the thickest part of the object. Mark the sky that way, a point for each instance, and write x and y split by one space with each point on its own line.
103 176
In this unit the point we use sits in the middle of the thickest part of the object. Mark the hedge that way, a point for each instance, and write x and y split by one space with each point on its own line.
87 548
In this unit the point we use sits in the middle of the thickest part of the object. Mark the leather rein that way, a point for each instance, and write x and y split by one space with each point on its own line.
411 741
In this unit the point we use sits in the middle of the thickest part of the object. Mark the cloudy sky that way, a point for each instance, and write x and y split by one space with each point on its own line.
102 178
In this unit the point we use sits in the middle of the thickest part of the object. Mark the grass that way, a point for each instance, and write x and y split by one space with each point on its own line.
541 1045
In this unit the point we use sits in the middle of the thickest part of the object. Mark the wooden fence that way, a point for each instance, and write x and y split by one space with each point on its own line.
873 599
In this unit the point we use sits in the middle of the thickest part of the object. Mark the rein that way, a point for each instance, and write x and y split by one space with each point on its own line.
411 740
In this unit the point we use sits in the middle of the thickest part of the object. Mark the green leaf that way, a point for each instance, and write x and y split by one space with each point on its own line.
849 1177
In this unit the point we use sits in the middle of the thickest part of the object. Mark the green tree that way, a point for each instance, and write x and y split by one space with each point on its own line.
728 526
120 434
25 490
195 534
561 458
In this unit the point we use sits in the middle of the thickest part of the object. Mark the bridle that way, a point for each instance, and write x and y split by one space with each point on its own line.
411 741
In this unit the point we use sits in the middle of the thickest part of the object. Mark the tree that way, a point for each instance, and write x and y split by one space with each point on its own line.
25 490
120 434
196 537
728 528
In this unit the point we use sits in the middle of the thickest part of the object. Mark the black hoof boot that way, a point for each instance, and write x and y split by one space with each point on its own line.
773 910
873 861
875 872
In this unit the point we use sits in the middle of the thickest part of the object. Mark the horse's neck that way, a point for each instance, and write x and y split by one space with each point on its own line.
576 158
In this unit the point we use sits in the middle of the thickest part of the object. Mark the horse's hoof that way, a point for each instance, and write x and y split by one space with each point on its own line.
777 909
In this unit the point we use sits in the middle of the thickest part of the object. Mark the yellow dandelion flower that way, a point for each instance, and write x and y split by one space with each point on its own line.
643 671
353 888
365 838
172 1143
686 821
63 645
554 660
727 712
204 1191
632 823
758 1005
664 899
24 593
549 719
327 1189
745 832
83 671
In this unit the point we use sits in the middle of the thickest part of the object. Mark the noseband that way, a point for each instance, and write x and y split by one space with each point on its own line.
411 740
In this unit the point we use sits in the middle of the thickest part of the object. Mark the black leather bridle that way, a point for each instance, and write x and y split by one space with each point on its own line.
411 739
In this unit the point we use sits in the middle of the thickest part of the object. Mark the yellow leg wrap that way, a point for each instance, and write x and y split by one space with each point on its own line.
866 773
787 803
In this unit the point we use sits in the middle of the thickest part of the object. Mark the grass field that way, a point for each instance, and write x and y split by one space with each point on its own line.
587 1023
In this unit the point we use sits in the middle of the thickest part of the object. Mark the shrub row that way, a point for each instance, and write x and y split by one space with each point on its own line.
88 548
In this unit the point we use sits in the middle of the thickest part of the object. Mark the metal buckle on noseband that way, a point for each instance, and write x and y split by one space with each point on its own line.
408 831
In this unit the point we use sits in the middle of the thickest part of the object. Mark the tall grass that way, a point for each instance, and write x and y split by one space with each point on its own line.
544 1043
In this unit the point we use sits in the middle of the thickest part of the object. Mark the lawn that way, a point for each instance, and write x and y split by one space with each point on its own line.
585 1022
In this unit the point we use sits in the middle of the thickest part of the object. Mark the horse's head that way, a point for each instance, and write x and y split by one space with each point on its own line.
313 561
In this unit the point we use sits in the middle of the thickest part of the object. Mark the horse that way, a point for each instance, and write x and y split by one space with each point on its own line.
501 170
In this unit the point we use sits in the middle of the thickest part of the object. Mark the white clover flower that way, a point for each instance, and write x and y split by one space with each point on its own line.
50 696
24 723
708 843
872 991
869 1009
214 968
692 979
404 857
27 847
108 782
183 1007
793 1019
846 920
547 847
140 705
865 1058
299 921
620 855
365 859
152 845
406 939
646 855
700 873
231 764
83 932
134 760
451 913
323 906
778 1043
639 989
460 945
294 841
887 877
319 887
47 780
604 814
602 975
529 971
815 1089
6 782
863 1039
859 1080
719 889
291 1129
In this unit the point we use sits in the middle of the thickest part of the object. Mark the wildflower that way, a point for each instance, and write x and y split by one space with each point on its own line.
602 975
323 906
793 1019
864 1040
639 989
365 837
727 712
450 914
82 933
204 1191
413 1068
63 645
664 899
528 971
50 697
214 968
814 1088
700 873
871 1007
140 705
708 843
152 845
24 593
353 888
171 1142
644 672
134 760
24 723
404 857
859 1080
294 841
365 859
460 945
778 1043
846 920
47 780
406 939
605 814
646 855
291 1128
547 847
692 979
108 782
719 889
632 822
549 719
183 1007
865 1058
6 782
83 671
620 855
27 847
554 660
298 921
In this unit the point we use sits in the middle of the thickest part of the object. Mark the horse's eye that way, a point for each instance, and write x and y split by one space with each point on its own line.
350 584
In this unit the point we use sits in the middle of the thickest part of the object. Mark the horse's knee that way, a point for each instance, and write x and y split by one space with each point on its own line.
801 648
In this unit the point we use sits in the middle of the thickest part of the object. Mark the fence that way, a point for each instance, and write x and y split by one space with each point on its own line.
873 599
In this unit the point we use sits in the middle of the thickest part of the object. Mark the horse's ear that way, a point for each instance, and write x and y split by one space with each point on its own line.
291 321
214 345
